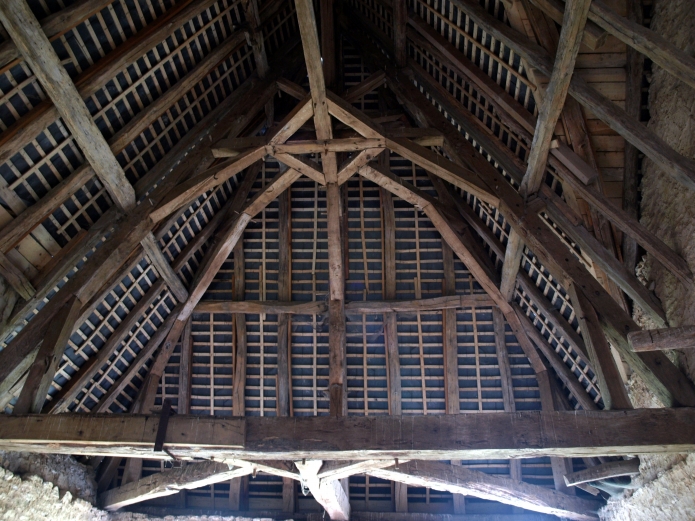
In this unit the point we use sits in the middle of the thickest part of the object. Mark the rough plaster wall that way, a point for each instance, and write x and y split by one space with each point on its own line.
668 481
62 471
30 498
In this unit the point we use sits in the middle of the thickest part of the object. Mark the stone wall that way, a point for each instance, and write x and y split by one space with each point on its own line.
668 481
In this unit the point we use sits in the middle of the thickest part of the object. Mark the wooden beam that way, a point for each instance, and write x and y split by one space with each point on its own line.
15 278
634 71
662 376
680 168
303 166
662 339
328 493
284 345
506 381
507 105
235 146
613 391
38 52
170 482
185 369
344 469
45 365
569 222
328 42
662 52
336 304
593 37
555 93
366 86
436 437
166 272
609 470
400 22
461 480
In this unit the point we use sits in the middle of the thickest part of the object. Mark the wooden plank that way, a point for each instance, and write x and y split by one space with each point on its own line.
555 94
38 52
608 470
461 480
662 52
662 339
328 493
613 391
166 272
435 437
170 482
45 365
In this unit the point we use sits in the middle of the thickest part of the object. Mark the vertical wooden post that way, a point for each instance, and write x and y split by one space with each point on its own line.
336 304
633 105
238 486
185 369
505 377
400 22
328 42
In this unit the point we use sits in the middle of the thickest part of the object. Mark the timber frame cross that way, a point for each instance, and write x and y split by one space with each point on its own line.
322 453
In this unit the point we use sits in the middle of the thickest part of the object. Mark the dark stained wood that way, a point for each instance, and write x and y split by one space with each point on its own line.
328 42
185 369
461 480
284 295
435 437
400 22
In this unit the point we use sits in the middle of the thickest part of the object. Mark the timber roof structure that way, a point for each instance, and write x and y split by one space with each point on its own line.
373 259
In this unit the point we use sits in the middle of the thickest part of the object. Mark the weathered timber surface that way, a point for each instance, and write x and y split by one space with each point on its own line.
465 436
612 469
461 480
662 339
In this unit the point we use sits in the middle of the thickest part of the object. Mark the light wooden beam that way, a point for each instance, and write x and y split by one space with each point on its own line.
328 493
170 482
328 42
366 86
461 480
38 52
166 272
555 93
608 470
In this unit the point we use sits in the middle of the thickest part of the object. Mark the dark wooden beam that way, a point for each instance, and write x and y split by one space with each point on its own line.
593 37
461 480
435 437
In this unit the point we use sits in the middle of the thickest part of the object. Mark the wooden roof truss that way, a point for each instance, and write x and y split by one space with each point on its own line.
135 153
